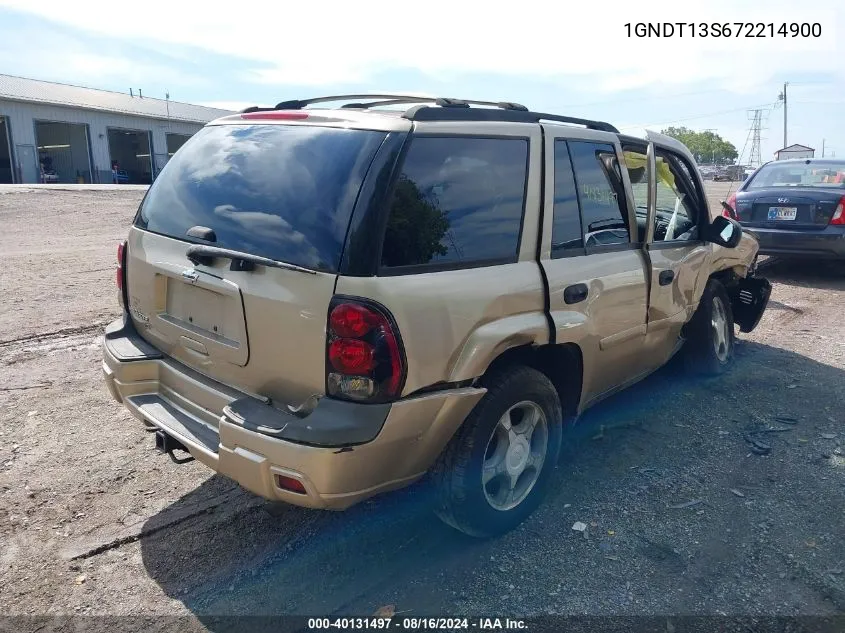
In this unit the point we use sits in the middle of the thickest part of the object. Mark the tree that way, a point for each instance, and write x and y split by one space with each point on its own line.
415 228
706 146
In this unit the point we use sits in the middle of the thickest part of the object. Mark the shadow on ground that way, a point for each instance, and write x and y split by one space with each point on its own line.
740 547
823 274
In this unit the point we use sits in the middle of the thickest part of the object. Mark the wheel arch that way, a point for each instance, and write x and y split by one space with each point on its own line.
562 364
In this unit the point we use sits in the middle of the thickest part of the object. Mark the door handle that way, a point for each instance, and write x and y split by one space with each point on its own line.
575 293
665 277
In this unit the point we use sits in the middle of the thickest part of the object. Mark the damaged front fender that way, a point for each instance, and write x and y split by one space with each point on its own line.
749 298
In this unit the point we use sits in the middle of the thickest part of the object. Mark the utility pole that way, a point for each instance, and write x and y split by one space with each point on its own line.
755 158
782 97
822 148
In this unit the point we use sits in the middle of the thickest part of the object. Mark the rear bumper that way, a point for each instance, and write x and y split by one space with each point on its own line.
828 243
341 452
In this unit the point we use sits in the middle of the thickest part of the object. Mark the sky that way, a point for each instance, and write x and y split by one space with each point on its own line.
574 58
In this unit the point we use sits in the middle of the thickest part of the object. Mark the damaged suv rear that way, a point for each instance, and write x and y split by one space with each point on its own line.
326 304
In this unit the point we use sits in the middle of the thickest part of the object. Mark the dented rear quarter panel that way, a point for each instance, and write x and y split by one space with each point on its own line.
454 323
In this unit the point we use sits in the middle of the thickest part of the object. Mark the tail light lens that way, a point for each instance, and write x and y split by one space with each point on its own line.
731 201
351 356
364 356
838 217
120 277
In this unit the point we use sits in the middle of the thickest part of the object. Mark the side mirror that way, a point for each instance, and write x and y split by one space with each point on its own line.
725 232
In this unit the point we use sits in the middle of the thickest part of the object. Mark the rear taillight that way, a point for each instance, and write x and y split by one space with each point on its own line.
838 217
120 276
364 357
732 202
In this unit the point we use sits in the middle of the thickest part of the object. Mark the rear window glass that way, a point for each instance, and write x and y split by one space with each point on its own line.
457 200
282 192
812 174
599 179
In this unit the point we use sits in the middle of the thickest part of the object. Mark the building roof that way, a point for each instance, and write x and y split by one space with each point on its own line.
47 92
796 147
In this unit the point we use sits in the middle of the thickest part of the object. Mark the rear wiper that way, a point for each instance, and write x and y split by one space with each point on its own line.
202 254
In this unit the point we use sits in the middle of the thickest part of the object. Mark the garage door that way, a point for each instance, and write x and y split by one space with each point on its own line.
131 154
63 152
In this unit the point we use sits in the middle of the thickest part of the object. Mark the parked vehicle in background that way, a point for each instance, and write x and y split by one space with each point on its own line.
436 290
795 207
47 173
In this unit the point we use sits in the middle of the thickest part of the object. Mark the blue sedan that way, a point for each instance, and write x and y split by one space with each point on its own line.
795 207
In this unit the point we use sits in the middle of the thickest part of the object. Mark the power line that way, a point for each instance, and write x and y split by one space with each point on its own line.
640 99
819 102
700 116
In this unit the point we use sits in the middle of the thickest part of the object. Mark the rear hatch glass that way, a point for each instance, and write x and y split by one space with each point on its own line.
283 192
279 191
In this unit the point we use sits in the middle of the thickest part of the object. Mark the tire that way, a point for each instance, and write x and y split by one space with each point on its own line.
485 510
707 352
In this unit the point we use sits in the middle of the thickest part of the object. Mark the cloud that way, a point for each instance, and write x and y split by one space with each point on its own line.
63 57
291 43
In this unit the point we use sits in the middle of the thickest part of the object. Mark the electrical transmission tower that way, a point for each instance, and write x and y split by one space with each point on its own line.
755 159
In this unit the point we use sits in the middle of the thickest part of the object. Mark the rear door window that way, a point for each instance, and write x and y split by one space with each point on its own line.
458 202
600 192
280 191
567 238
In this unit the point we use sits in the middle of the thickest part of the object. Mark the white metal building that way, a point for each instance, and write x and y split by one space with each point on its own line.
795 151
52 132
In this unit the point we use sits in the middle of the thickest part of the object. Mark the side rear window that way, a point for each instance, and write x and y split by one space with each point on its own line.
600 192
566 217
458 201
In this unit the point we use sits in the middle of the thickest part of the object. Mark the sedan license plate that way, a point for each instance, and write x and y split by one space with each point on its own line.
782 213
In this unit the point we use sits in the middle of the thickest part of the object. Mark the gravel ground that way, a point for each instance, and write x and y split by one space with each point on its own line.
683 518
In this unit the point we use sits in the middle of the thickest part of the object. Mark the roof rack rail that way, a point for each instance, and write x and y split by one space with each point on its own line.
448 109
385 99
427 113
395 99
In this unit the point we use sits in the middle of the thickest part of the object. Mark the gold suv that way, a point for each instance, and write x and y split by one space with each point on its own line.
326 303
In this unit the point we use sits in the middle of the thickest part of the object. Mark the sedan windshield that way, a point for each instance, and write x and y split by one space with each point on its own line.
810 174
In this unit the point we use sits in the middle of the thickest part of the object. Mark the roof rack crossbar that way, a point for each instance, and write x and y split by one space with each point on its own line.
440 101
393 99
449 109
298 104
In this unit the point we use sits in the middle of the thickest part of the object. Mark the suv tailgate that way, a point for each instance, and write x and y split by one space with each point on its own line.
284 193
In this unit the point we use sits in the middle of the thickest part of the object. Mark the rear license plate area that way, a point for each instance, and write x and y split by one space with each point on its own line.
777 214
197 307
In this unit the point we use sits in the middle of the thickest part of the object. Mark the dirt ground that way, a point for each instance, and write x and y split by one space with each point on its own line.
683 518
